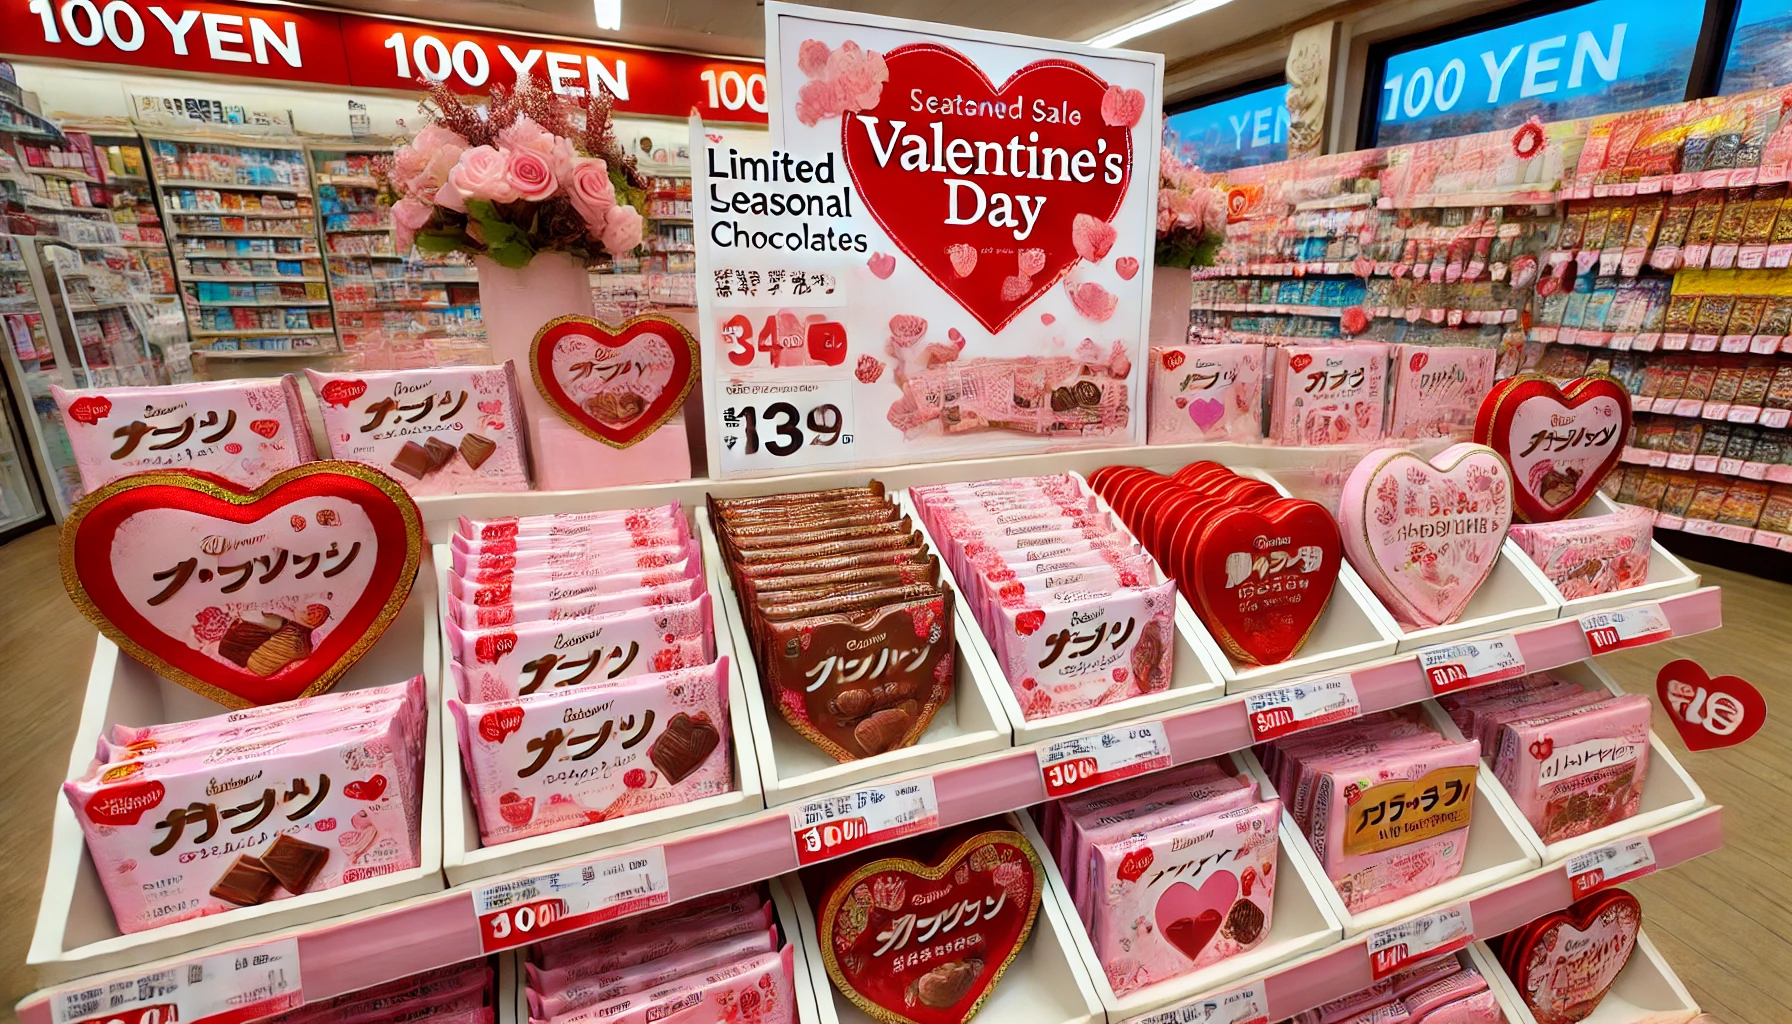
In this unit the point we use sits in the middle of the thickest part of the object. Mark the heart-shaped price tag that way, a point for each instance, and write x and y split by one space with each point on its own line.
615 384
1709 712
249 597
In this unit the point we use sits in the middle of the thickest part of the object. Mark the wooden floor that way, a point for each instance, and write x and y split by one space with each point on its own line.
1722 921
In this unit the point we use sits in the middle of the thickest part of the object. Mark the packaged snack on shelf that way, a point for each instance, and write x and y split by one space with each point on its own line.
1331 394
446 430
1592 555
1206 393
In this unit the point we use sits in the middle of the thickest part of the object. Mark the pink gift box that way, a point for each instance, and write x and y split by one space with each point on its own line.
549 996
525 658
389 419
1577 770
1206 393
1591 555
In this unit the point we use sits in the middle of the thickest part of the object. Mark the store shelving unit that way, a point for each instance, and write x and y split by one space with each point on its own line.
242 222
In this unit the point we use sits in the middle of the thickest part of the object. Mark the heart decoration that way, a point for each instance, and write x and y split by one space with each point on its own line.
1564 963
1238 557
212 586
1189 918
1709 712
996 870
1206 412
615 384
1425 535
910 191
1559 442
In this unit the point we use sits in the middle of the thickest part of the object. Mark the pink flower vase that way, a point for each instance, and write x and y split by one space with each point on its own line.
1172 293
515 304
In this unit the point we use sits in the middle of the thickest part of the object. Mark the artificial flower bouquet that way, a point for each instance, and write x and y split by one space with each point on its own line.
1191 213
530 172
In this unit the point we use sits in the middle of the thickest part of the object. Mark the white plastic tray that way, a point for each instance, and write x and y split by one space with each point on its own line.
1514 594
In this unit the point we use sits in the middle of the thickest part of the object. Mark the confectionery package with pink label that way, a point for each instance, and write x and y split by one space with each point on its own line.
1443 991
1385 802
524 658
1437 390
1077 613
1328 394
442 430
241 431
1593 554
458 994
1168 877
1206 393
564 758
199 817
1574 765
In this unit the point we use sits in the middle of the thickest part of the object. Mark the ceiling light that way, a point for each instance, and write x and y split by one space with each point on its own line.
609 14
1151 23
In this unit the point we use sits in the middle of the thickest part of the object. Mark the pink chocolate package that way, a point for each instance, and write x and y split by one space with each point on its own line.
486 616
1147 817
760 989
639 940
581 556
1328 394
1057 819
577 757
1591 555
140 739
243 431
1437 390
1364 829
526 658
1169 902
523 528
1577 770
442 430
1206 393
506 587
204 830
550 997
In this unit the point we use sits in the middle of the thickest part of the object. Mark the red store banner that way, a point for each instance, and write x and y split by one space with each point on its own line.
287 43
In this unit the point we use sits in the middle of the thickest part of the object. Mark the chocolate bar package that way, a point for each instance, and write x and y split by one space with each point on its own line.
1577 770
442 430
244 431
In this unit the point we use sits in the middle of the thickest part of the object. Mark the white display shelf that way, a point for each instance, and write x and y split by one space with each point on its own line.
1667 576
465 857
1646 986
1669 792
76 933
1046 984
1514 594
968 724
1496 853
1301 922
1192 681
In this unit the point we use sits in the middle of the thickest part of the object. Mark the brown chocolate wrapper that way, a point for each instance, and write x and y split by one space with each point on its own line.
821 535
922 570
821 511
783 607
874 488
859 683
742 532
887 542
757 574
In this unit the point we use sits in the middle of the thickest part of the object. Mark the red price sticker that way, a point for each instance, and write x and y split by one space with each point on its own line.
227 988
1620 628
837 825
1399 946
1467 663
1609 865
525 910
1246 1004
1303 705
1084 762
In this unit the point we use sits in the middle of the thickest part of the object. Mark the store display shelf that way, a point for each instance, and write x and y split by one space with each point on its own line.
349 180
247 214
1486 197
68 173
262 353
1772 472
229 254
294 190
294 304
253 278
358 231
1344 201
186 232
264 332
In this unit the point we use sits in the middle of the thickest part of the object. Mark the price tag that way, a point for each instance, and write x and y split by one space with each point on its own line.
1399 946
1303 705
1625 627
525 910
1610 864
1469 663
1084 762
839 824
225 988
786 425
1246 1004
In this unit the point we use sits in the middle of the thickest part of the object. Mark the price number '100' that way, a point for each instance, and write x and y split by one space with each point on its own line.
780 427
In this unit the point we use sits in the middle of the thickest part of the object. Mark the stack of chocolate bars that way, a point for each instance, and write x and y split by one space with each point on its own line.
582 649
194 818
457 994
849 622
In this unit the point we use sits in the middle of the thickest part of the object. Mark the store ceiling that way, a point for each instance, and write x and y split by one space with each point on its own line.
737 26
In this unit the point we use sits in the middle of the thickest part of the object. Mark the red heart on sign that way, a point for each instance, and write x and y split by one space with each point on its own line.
1709 713
365 789
927 206
615 384
148 558
1238 555
1560 442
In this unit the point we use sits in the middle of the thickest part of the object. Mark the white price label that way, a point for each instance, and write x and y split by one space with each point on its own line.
1609 865
836 825
525 910
1399 946
1083 762
786 425
1469 663
1246 1004
1303 705
1625 627
225 988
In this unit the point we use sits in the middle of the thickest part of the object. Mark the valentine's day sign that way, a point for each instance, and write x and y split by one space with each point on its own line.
986 203
615 384
247 596
242 984
1709 712
524 910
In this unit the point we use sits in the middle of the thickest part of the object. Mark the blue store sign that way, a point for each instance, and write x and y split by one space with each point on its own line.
1237 132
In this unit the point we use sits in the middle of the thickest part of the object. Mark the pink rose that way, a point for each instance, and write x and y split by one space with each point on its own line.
525 133
529 174
448 196
591 192
420 168
481 174
622 230
408 217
